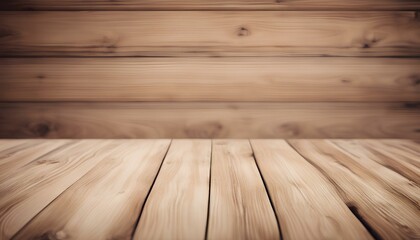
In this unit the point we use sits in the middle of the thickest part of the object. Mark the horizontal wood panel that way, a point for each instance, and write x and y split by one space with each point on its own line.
214 33
209 79
216 120
210 5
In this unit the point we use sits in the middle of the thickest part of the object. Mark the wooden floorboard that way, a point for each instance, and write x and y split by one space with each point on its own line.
107 199
38 183
9 145
177 205
14 158
299 192
406 166
368 165
389 215
239 204
196 189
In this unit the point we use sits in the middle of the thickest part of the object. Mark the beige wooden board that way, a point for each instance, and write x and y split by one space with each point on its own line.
14 158
307 205
390 215
9 145
239 205
210 120
209 33
210 79
177 204
38 183
210 5
106 202
377 168
403 150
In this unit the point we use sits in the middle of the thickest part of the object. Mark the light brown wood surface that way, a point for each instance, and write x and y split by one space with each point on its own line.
6 144
389 215
370 166
228 189
177 205
209 120
37 183
406 151
210 5
108 198
388 153
210 79
16 157
239 204
307 205
210 33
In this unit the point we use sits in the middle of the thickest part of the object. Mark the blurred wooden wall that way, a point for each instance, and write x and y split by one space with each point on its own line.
201 69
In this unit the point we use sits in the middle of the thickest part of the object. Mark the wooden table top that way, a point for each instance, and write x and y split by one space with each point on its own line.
209 189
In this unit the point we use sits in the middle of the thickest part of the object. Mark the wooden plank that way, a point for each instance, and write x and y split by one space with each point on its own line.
120 182
239 205
375 168
307 205
14 158
210 5
406 151
177 205
209 120
8 144
398 158
209 33
26 193
389 215
210 79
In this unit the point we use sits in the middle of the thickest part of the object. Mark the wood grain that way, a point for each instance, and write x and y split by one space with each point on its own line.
389 215
239 204
209 5
27 192
406 151
209 120
177 205
105 203
307 205
14 158
375 168
396 155
210 79
210 33
6 144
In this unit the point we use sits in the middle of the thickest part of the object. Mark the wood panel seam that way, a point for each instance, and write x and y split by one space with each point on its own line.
266 190
148 192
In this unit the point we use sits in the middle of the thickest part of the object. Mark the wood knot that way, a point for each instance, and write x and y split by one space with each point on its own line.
414 80
5 32
110 43
205 130
243 31
290 129
41 129
365 45
368 43
412 105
